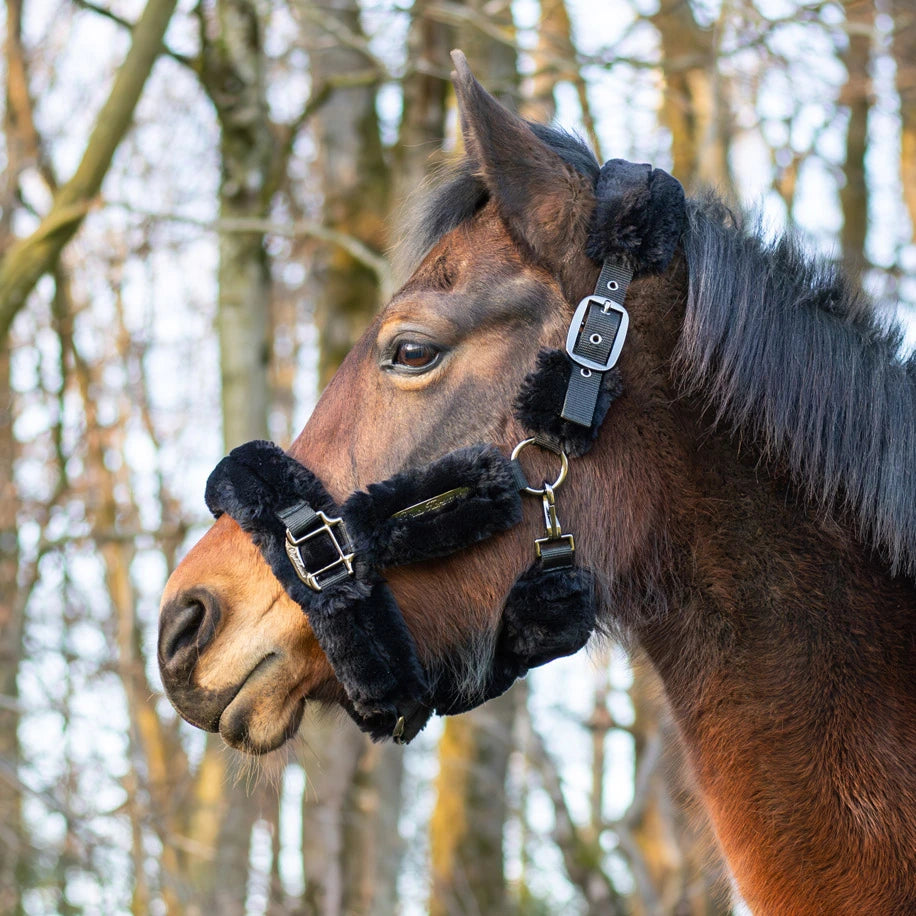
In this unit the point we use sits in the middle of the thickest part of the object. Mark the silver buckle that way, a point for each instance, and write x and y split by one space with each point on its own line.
575 329
345 553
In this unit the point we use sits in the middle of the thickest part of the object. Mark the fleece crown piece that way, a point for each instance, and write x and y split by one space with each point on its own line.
640 216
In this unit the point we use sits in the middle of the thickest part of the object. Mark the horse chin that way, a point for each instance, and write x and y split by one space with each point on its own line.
264 713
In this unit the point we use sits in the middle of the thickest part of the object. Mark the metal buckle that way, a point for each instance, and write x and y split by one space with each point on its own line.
577 323
344 554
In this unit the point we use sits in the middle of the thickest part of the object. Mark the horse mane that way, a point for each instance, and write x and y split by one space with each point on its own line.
782 345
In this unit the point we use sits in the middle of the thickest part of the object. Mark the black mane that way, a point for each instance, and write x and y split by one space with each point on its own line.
787 347
782 344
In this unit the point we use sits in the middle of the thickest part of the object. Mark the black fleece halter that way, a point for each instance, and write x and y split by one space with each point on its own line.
329 558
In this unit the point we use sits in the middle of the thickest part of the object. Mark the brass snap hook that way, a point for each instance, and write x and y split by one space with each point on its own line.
551 521
555 549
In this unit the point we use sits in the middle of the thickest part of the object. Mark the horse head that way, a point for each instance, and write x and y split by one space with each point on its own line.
504 261
746 510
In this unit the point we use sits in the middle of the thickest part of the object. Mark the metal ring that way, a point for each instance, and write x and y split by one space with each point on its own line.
612 285
564 463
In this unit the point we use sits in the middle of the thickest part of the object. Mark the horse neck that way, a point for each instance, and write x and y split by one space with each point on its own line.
787 653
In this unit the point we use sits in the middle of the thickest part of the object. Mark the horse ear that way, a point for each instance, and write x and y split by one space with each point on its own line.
545 203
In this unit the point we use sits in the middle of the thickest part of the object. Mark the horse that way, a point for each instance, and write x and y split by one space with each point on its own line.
748 507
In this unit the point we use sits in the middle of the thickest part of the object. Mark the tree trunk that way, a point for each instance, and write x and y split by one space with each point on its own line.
232 73
354 180
26 261
21 148
426 95
12 835
554 59
856 98
350 845
373 844
695 108
904 51
466 830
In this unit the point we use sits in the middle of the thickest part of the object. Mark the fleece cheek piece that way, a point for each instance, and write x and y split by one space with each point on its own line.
640 215
372 653
460 499
549 613
540 403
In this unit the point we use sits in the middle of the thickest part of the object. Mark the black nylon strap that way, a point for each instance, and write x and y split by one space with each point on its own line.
613 281
299 519
594 343
557 553
582 395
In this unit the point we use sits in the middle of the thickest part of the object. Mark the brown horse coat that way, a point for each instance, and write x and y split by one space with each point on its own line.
749 505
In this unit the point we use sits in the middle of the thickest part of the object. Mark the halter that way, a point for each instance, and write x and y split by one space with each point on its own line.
329 558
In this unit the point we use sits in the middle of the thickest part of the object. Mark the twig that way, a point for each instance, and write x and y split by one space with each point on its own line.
106 13
298 228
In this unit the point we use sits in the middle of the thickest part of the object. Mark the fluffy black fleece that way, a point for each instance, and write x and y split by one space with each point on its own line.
483 499
548 614
540 402
357 621
639 217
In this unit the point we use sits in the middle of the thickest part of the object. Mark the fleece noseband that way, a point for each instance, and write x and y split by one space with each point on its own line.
330 558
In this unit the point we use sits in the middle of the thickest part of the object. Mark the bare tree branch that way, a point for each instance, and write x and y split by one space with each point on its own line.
361 252
30 258
106 13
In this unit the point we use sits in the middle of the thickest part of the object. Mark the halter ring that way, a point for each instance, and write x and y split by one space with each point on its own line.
564 463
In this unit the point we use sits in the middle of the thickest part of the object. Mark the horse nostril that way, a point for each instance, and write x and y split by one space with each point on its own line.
186 626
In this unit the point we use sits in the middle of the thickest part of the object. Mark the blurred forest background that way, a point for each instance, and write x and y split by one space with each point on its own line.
196 207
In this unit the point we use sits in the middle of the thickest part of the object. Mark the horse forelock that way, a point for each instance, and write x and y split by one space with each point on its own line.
786 347
456 191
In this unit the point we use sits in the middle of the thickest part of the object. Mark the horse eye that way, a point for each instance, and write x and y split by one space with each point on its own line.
412 354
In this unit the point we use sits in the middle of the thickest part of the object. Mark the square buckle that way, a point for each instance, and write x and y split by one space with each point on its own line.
556 552
577 324
342 548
